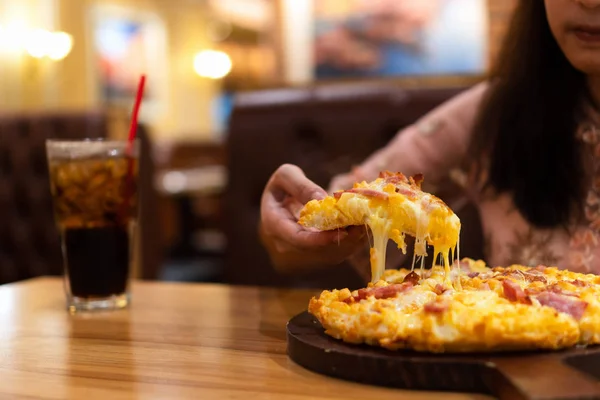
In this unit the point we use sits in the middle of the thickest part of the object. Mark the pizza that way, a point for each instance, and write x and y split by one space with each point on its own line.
391 206
496 309
455 306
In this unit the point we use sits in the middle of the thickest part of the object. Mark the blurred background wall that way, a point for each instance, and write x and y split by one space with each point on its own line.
268 41
227 80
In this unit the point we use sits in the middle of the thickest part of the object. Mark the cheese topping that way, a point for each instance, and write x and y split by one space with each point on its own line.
498 309
391 206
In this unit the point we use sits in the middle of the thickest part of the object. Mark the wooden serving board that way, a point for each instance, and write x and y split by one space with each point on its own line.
570 374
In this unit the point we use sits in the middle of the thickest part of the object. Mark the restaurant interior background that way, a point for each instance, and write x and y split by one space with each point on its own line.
234 88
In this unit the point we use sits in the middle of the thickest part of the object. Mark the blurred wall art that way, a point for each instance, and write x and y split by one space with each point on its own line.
127 43
386 38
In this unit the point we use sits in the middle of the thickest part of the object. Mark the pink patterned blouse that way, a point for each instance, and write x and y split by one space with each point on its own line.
436 144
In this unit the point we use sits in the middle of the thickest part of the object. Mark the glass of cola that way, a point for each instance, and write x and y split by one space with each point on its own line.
95 198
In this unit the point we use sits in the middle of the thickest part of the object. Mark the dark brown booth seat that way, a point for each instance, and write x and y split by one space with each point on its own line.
324 130
29 244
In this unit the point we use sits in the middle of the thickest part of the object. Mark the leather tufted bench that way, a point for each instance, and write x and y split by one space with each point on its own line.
325 130
29 243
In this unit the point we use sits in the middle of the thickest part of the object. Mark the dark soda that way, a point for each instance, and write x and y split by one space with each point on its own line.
97 260
95 204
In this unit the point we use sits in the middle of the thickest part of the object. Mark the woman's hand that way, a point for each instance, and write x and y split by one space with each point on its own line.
291 246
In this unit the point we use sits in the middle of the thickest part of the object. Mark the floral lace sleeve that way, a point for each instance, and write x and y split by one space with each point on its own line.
584 242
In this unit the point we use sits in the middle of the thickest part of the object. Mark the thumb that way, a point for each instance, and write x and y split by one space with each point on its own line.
293 181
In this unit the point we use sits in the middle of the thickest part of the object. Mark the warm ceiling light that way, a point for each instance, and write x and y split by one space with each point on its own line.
13 37
40 43
60 45
37 42
212 64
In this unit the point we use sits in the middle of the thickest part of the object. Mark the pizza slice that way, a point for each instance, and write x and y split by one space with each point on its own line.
391 206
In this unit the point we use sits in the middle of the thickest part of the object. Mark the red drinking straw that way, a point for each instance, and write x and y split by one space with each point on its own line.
136 111
132 133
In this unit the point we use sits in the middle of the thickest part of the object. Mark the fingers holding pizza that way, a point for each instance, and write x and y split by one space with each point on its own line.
292 246
391 206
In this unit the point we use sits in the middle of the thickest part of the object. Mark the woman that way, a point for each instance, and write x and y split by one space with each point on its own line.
528 139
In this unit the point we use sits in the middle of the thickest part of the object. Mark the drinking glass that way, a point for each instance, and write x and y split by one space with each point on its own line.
95 200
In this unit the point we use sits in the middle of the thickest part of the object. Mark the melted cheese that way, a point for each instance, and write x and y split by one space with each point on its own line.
390 216
380 228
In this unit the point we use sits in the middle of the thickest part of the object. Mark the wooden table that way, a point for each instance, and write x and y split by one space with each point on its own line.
176 341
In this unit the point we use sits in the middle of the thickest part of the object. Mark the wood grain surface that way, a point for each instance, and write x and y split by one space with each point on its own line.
177 341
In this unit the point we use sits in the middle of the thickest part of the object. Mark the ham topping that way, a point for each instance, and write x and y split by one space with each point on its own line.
369 193
565 304
558 290
411 194
418 179
473 274
534 291
395 179
383 292
439 289
529 276
390 177
555 288
512 290
437 306
535 276
534 271
412 277
388 174
579 283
